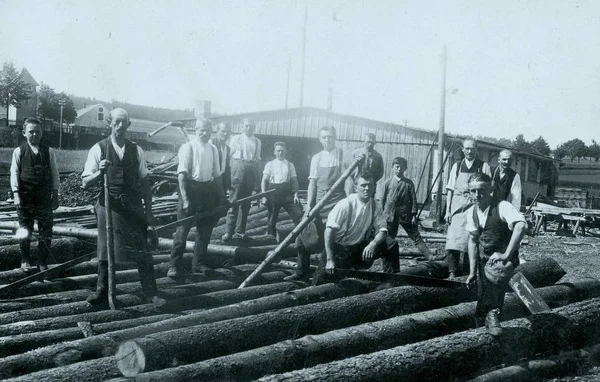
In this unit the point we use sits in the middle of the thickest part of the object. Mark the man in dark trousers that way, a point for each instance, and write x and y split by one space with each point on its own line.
223 133
34 182
200 190
326 167
506 182
245 160
125 165
373 163
280 175
495 230
458 202
356 232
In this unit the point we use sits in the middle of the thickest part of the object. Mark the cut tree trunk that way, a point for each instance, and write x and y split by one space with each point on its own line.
458 355
342 343
100 369
159 350
63 249
92 347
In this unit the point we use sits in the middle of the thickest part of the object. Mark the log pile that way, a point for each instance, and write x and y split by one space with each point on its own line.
275 330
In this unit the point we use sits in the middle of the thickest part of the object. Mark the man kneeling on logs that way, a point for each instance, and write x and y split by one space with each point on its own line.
495 231
356 231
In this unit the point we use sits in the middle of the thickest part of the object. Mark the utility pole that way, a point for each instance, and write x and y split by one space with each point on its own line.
287 88
441 133
61 102
303 56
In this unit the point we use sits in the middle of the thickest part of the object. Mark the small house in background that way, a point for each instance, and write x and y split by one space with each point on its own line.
92 116
28 108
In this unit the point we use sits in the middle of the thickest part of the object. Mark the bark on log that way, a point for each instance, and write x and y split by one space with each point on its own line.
24 342
342 343
93 347
100 369
159 350
540 369
125 300
541 272
63 249
460 354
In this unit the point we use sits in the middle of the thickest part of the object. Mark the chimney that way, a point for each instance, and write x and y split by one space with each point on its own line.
202 109
330 95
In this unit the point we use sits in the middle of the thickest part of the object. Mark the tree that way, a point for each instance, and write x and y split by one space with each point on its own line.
541 145
49 106
594 150
12 89
520 143
575 148
560 152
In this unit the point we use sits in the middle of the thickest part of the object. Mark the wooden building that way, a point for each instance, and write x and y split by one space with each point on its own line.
299 127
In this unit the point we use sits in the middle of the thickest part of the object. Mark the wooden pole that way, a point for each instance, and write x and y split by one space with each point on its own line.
291 237
441 141
110 245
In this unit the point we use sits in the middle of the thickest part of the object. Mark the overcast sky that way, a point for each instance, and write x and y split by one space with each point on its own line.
529 67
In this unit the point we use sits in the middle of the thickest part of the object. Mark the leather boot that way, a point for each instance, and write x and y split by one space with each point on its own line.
100 296
492 322
303 268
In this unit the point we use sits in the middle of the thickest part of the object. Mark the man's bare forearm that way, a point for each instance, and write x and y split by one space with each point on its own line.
515 241
329 237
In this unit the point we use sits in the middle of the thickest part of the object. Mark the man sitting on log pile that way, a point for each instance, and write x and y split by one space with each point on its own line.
495 231
34 182
200 189
356 232
125 165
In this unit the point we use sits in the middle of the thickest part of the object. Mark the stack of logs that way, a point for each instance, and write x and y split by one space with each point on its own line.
275 330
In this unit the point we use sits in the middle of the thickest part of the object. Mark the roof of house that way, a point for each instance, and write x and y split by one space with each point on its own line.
87 109
26 77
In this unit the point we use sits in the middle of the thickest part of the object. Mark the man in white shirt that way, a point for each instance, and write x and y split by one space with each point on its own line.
221 140
34 182
495 230
458 202
200 190
245 159
356 231
125 165
506 182
280 175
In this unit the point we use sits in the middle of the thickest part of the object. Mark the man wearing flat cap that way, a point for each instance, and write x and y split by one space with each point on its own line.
245 159
200 189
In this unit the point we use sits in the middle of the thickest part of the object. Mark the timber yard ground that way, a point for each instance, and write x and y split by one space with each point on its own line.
579 256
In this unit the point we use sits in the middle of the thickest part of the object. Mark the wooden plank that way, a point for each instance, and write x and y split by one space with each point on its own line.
527 294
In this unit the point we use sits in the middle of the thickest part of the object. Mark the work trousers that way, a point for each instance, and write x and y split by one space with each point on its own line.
27 213
350 257
202 197
282 197
244 178
412 230
489 295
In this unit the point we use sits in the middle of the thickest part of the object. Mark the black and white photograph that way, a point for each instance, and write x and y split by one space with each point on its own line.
299 190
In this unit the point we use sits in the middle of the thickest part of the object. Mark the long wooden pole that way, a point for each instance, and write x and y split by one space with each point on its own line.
291 237
441 133
110 242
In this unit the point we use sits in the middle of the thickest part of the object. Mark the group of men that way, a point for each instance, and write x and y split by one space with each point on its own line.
352 227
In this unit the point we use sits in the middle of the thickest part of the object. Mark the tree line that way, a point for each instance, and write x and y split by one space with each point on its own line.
14 91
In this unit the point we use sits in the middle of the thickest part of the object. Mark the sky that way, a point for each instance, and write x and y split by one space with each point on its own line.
530 67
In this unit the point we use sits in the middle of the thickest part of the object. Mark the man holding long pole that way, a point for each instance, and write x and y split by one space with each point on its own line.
125 166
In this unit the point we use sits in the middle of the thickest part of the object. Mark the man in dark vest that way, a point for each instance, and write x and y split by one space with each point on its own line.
221 140
495 231
125 164
458 202
34 182
506 183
